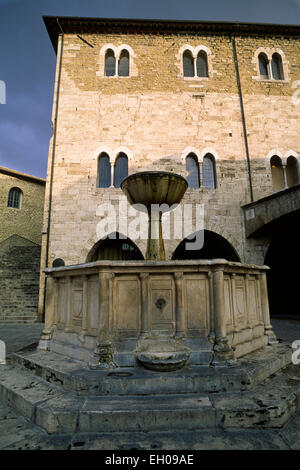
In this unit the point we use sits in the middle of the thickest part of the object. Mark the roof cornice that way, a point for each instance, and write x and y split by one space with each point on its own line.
22 176
78 25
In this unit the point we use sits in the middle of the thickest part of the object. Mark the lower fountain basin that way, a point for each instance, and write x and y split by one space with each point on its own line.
164 362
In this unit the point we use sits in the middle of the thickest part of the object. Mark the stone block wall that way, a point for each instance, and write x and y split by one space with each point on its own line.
156 116
20 247
26 221
19 280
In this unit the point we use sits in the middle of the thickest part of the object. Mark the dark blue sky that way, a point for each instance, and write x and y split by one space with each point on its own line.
27 59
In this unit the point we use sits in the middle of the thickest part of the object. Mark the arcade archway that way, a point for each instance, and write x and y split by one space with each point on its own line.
114 248
215 246
283 257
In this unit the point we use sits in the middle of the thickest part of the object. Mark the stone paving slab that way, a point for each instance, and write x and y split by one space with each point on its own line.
18 336
59 411
18 433
161 413
75 376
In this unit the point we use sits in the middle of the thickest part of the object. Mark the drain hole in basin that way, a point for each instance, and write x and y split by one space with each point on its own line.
120 374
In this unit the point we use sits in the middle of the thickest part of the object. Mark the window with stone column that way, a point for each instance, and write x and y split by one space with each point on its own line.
292 171
104 171
277 171
192 169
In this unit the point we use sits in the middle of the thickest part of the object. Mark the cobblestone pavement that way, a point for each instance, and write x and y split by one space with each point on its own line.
18 433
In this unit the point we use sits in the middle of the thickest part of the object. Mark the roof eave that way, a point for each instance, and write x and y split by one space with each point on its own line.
68 24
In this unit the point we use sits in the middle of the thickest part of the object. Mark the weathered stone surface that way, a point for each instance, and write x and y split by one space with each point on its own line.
20 247
106 313
156 116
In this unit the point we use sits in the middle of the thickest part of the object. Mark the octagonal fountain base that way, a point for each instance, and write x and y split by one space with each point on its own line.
161 315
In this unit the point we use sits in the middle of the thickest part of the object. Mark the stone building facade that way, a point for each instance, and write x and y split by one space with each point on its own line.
21 212
169 95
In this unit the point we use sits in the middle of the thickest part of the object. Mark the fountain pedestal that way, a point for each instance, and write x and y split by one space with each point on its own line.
155 192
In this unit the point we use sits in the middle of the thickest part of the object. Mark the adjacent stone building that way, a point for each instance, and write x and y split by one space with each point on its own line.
215 102
21 215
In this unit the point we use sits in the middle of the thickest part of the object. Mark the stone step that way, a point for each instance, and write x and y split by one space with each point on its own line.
269 405
19 319
75 376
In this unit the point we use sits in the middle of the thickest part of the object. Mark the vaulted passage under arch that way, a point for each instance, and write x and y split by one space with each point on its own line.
215 246
283 257
114 248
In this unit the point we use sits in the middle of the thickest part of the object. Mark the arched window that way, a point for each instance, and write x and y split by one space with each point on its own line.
292 175
58 263
277 69
192 168
202 67
263 65
14 198
123 66
110 63
277 173
188 64
104 171
120 170
209 172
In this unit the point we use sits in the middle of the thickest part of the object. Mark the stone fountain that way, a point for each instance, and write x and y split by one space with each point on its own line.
108 322
159 314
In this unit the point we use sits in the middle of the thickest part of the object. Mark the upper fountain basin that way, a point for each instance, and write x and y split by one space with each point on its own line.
154 187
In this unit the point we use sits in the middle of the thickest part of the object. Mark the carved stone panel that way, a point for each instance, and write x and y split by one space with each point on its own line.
228 302
62 304
240 302
162 305
253 301
93 305
196 301
127 306
77 303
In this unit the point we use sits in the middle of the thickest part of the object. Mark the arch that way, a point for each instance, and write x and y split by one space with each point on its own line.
110 63
192 168
104 171
215 246
209 179
282 256
202 64
123 64
292 171
114 247
263 65
15 198
277 173
120 169
277 68
188 64
205 151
